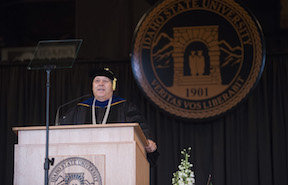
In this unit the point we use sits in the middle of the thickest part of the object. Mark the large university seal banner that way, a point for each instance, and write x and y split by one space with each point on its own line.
197 59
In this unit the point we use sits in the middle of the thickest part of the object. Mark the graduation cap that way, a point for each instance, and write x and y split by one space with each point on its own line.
104 72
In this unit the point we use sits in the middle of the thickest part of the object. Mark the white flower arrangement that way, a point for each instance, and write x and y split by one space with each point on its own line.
184 176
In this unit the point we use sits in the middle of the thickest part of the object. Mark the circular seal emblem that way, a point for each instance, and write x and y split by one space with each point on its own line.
197 59
75 171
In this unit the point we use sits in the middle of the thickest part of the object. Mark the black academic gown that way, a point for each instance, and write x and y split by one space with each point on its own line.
121 111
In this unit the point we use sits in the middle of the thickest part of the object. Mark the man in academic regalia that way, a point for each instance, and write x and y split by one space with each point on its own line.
105 107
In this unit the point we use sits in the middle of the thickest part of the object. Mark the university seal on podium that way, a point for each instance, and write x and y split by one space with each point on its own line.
197 59
75 170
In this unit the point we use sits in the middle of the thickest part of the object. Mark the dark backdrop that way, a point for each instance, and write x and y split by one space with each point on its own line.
247 146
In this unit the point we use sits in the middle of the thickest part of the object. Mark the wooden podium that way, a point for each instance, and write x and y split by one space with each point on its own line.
110 154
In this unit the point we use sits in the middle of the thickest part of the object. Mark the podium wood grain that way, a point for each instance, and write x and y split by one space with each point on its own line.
121 144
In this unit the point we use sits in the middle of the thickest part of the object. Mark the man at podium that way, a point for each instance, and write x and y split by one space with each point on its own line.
105 107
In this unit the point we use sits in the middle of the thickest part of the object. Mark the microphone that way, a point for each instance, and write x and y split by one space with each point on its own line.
72 101
209 180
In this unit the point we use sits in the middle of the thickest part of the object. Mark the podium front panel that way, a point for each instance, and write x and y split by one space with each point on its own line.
115 153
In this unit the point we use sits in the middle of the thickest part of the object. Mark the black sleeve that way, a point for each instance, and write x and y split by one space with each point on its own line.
153 157
133 115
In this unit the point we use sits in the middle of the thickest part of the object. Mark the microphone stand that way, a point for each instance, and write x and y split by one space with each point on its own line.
39 62
47 160
58 110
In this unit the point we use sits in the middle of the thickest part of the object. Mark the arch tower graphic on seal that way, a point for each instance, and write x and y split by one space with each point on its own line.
197 59
183 37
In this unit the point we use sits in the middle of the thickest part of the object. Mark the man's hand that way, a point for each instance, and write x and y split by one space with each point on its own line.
151 146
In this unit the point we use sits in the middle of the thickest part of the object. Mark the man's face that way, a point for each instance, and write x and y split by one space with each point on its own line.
102 88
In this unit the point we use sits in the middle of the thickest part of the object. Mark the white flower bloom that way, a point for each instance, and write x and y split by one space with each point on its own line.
184 176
